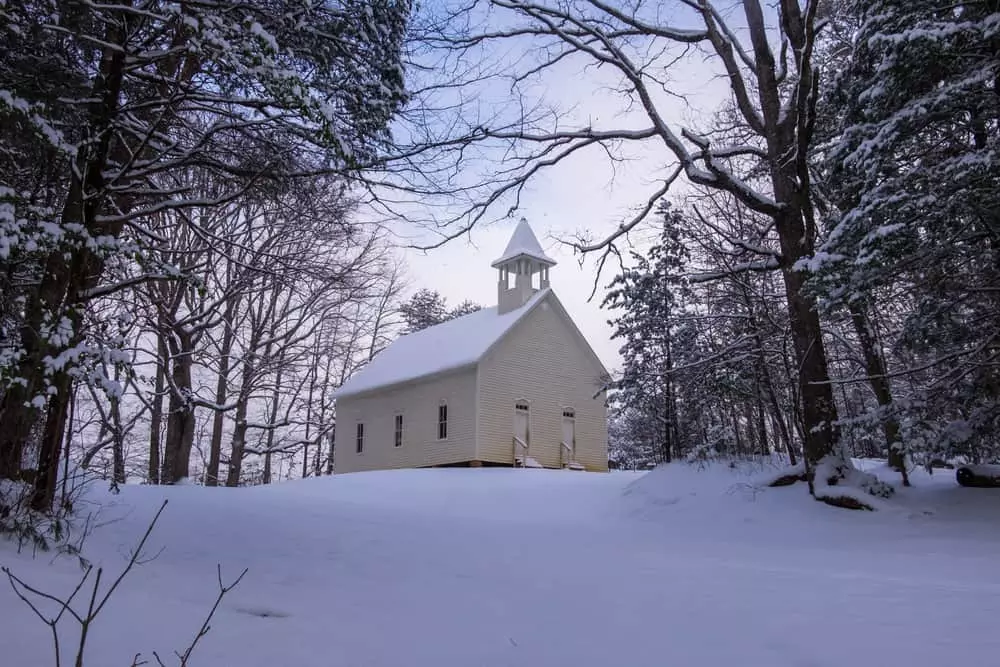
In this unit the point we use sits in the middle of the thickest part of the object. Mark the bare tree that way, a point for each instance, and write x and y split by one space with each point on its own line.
772 85
163 89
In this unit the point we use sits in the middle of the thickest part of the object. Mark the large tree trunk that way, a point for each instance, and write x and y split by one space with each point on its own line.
819 411
16 420
48 455
19 411
788 136
879 382
83 272
61 283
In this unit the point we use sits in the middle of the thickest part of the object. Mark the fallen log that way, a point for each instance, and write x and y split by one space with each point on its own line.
787 479
846 502
979 476
784 477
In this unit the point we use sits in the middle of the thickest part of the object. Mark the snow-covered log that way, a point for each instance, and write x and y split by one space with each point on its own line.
837 482
981 476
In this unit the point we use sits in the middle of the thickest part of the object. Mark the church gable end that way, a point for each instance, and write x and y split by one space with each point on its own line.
545 362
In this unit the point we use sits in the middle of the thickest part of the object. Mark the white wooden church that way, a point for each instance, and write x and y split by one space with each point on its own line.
512 385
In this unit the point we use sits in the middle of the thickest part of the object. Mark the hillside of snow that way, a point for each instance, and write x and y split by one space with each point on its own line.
439 568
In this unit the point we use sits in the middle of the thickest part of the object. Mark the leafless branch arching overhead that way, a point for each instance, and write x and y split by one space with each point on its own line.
474 160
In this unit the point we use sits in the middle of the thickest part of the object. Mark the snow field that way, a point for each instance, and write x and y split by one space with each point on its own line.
492 567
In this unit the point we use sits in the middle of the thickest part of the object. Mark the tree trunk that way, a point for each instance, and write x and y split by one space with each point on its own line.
118 435
309 415
788 135
61 283
665 428
760 412
333 447
67 445
272 418
266 474
819 411
248 378
322 416
669 430
778 417
737 437
16 420
221 394
181 416
875 366
240 428
19 411
48 455
156 412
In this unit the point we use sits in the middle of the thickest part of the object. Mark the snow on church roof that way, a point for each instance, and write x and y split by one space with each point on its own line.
447 346
523 242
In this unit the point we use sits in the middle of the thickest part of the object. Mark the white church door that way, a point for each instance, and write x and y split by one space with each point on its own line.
521 435
568 444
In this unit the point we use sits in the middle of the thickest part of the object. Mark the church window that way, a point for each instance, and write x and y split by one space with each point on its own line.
443 421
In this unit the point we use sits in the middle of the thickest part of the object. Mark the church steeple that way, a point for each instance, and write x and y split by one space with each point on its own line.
522 259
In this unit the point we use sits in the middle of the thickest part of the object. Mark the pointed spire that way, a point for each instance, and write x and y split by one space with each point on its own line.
523 243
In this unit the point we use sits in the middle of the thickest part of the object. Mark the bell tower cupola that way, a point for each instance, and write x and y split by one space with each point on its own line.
524 269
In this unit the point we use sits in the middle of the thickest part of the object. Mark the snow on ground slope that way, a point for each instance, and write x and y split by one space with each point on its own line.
464 568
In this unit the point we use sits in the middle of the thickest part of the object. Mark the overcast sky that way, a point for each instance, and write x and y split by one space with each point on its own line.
583 195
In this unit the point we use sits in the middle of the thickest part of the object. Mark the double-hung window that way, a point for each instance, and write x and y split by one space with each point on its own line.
443 421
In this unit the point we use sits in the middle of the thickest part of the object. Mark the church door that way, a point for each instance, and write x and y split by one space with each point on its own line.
521 433
568 436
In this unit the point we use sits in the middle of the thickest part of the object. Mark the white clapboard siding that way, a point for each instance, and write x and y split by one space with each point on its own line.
418 403
545 361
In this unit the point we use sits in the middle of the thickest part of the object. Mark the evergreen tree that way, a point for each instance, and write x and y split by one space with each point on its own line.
647 296
633 442
915 177
465 308
424 309
427 308
108 110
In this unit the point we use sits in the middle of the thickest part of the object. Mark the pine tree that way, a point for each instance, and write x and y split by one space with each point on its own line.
424 309
427 308
648 297
465 308
915 176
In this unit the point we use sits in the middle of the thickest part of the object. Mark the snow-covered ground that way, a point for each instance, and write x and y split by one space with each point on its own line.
481 568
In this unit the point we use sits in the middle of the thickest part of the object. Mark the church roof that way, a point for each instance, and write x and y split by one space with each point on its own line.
450 345
523 243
